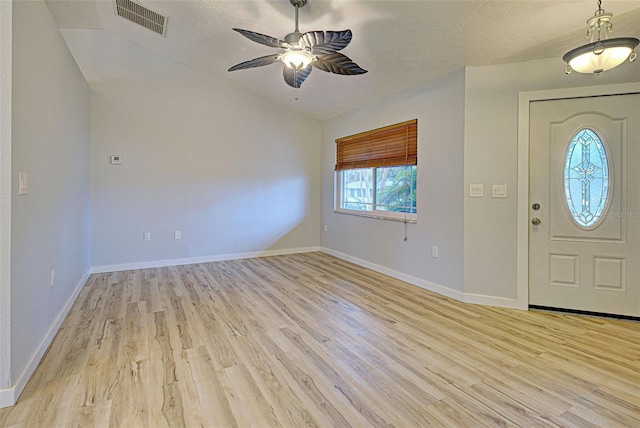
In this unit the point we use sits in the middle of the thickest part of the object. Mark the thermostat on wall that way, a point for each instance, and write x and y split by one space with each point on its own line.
116 160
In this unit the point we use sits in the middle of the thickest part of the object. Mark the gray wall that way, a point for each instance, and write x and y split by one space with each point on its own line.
233 172
439 107
50 141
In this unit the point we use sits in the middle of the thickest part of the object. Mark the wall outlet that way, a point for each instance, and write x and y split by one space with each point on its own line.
146 236
177 235
53 276
325 228
435 252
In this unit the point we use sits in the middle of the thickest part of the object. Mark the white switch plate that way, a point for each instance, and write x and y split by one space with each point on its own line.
499 191
476 190
116 160
23 183
177 235
146 236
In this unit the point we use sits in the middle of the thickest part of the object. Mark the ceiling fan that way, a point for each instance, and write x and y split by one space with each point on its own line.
302 52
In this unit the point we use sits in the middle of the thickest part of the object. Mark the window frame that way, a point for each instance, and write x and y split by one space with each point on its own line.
387 147
373 213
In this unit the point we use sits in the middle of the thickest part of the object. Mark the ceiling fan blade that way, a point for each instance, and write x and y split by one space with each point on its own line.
256 62
326 42
262 39
295 78
337 63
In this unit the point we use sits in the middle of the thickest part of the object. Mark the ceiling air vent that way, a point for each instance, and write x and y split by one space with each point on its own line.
142 15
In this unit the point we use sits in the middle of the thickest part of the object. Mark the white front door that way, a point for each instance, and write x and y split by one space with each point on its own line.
584 204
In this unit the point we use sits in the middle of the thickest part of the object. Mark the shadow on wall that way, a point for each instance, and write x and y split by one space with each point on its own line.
252 216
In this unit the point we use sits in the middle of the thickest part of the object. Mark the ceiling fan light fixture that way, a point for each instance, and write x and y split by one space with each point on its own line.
304 52
297 59
602 53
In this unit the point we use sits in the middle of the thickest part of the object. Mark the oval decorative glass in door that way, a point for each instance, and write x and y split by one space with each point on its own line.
586 178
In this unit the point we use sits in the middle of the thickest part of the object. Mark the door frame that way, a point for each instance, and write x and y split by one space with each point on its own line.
524 100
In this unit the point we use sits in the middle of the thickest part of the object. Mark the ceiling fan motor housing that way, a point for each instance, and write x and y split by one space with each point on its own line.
293 38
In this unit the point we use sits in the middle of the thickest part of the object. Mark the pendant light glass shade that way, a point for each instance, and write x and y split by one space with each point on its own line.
600 56
602 53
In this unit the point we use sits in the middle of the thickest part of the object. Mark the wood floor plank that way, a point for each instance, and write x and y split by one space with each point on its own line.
309 340
341 382
212 400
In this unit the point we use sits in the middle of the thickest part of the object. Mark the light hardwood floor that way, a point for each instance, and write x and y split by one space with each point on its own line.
310 340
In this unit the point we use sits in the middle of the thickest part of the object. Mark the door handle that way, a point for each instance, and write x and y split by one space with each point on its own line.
536 221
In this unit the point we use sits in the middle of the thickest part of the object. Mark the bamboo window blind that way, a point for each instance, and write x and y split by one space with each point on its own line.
393 145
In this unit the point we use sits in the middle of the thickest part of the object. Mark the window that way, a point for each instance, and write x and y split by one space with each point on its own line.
586 179
376 172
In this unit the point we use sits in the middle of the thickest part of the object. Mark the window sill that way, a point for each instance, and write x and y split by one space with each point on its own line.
410 218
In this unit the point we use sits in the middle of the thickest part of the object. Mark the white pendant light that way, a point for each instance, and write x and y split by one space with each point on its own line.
602 53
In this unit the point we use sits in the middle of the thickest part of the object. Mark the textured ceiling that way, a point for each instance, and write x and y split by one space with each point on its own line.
401 43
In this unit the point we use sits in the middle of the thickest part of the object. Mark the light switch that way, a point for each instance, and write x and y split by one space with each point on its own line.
23 184
476 190
499 191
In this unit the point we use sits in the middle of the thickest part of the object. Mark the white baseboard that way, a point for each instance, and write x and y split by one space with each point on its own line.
9 396
427 285
499 302
477 299
194 260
